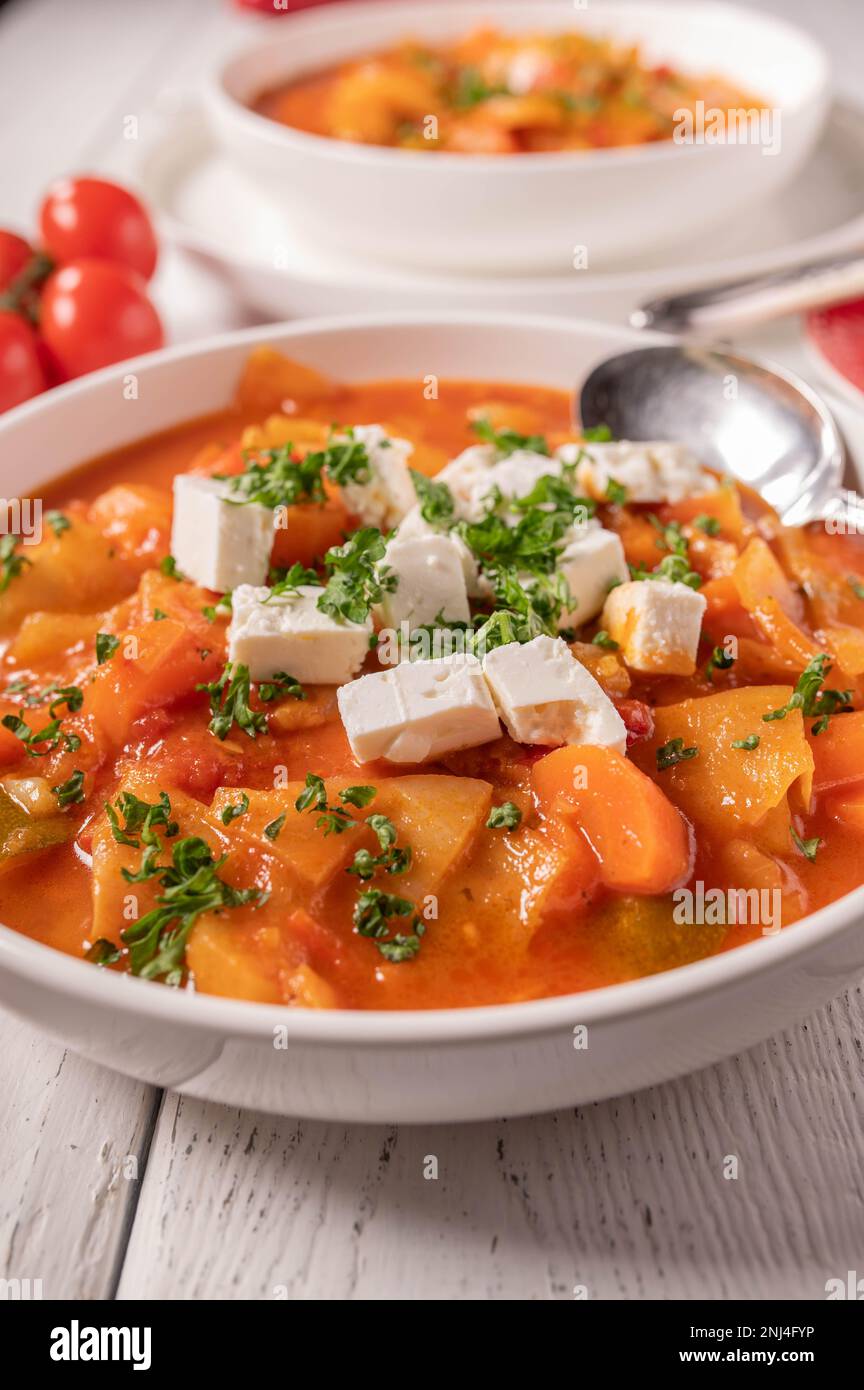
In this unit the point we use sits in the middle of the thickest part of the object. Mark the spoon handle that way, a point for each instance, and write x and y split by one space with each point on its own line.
721 309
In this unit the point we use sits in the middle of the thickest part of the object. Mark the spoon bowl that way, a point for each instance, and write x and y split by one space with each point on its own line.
751 419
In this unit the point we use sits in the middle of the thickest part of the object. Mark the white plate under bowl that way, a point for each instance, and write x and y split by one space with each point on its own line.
206 208
517 212
451 1064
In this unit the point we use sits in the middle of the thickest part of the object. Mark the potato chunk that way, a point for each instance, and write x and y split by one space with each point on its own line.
721 787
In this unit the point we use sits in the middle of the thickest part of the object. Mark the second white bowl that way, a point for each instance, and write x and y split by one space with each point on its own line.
523 212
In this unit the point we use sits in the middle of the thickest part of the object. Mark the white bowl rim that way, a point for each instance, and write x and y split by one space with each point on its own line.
50 968
341 151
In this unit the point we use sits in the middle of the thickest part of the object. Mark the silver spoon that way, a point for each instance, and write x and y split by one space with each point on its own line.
721 310
754 420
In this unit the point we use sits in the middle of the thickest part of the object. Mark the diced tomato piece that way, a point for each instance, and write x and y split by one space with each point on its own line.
638 719
153 666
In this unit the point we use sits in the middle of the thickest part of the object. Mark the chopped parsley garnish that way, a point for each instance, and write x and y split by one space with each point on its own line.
357 579
375 914
168 567
471 88
58 522
290 581
51 736
102 952
70 791
856 586
229 703
358 796
391 860
525 608
435 499
556 493
190 886
748 743
232 812
504 817
597 434
272 829
333 820
140 819
346 461
212 611
279 478
11 563
670 537
675 568
106 646
808 848
616 493
673 753
159 615
507 441
719 661
281 686
811 699
532 544
602 639
709 524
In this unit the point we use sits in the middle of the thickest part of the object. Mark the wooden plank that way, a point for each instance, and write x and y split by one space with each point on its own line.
73 1150
626 1199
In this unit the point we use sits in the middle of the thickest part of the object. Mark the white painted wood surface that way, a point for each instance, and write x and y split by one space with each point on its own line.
625 1199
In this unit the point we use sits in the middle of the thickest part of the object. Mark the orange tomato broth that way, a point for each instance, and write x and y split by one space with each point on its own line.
576 897
496 93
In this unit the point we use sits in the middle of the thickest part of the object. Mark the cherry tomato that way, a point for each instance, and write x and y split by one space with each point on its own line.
98 220
21 374
14 255
93 313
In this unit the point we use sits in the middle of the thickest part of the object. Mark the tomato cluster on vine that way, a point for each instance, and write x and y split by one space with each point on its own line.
75 299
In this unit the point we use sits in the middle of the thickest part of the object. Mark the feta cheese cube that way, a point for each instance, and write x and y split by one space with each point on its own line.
418 711
656 624
414 526
544 695
288 632
467 477
388 492
651 472
474 475
591 562
429 582
215 542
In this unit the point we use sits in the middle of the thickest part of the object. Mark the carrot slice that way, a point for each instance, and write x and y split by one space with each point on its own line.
638 836
838 752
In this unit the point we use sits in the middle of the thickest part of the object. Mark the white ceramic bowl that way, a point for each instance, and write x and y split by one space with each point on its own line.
521 212
457 1064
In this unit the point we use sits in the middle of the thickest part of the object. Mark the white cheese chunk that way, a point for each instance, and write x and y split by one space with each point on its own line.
215 542
651 472
429 582
544 695
388 492
418 711
475 474
591 562
656 625
414 526
467 477
288 632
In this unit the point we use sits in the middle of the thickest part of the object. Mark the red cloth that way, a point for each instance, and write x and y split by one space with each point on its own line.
278 7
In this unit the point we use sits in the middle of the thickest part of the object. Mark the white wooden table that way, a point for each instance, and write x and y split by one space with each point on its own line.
111 1188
